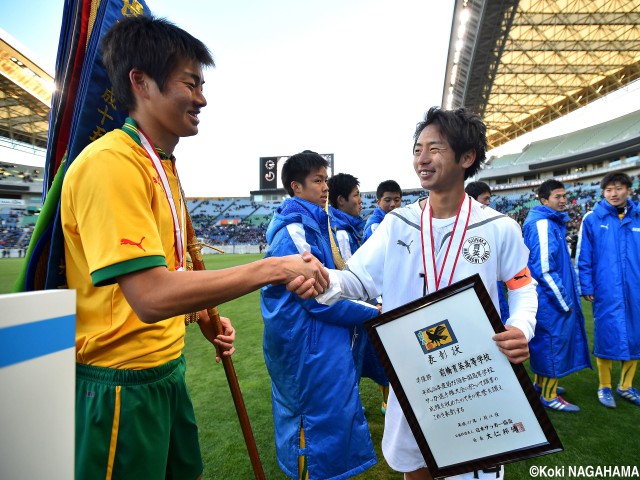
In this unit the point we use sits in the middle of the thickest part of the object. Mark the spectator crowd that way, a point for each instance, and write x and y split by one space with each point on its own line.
229 222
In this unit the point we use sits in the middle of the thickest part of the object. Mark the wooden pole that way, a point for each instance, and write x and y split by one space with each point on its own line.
194 248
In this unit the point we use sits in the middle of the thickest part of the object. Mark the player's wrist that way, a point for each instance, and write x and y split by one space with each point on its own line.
274 270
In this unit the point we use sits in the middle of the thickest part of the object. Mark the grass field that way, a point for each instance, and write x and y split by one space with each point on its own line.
593 437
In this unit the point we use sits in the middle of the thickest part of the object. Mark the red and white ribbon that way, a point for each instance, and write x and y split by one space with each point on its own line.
177 229
432 277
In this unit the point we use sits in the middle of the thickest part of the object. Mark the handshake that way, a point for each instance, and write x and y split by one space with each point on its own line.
305 275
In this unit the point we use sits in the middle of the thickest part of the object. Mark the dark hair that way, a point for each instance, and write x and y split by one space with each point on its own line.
152 45
298 166
341 184
617 177
548 186
463 130
475 189
388 186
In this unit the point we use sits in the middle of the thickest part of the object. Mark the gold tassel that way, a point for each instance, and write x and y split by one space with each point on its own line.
190 318
335 251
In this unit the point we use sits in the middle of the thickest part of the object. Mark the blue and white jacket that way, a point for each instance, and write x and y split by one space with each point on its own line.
348 231
560 344
364 355
372 223
608 260
307 349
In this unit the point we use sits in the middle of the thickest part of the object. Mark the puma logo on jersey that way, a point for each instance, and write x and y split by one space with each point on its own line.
519 277
126 241
408 247
158 181
604 226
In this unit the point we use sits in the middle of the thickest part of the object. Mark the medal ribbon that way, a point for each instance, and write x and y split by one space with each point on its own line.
177 229
431 276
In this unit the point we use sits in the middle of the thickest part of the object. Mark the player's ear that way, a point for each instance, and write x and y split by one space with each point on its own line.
139 83
467 158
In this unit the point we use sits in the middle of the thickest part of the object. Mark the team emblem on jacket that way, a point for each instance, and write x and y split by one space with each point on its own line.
476 250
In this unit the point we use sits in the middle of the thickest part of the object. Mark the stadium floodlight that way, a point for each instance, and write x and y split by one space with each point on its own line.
465 14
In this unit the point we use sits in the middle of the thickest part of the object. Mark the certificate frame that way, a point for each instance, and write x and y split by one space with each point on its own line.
458 415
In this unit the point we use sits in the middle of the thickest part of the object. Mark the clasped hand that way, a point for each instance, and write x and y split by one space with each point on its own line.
310 277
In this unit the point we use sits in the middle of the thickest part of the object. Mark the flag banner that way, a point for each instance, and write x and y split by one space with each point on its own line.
83 109
71 49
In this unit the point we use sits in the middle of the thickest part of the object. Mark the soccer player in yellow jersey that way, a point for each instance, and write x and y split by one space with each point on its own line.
123 220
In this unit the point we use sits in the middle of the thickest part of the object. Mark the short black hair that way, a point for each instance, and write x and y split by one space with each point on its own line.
341 184
152 45
388 186
298 166
475 189
548 186
463 130
615 177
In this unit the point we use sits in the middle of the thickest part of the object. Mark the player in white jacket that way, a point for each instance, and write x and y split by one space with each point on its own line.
437 241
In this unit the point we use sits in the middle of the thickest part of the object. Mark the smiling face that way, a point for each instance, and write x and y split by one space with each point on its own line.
314 189
172 113
616 194
435 164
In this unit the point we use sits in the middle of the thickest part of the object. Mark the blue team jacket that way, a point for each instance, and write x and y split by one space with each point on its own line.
374 219
608 263
560 344
364 355
350 224
307 349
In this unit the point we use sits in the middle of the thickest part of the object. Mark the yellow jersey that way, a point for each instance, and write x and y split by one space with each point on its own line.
116 219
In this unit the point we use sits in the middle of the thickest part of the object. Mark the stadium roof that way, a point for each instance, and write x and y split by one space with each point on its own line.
521 64
25 95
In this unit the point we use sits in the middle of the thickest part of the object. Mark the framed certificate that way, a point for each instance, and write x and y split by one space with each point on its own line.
468 407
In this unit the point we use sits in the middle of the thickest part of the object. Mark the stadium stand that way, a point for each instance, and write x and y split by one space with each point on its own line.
240 221
578 159
615 132
20 187
14 173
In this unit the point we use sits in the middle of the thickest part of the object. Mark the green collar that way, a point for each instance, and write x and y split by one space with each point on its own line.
130 127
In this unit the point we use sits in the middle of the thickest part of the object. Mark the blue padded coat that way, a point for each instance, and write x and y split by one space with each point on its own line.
608 263
560 344
307 350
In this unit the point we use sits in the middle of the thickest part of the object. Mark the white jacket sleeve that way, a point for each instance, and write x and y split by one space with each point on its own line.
523 306
342 285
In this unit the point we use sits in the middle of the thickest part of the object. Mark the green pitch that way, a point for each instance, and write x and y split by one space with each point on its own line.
595 436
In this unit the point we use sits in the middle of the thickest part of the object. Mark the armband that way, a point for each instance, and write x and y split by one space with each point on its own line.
520 279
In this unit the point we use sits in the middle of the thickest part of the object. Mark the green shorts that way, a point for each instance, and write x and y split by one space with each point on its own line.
135 424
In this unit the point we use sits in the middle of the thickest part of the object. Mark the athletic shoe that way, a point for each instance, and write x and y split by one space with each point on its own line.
559 404
630 394
559 390
606 397
383 408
